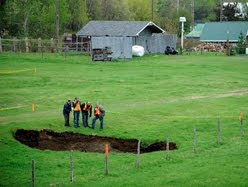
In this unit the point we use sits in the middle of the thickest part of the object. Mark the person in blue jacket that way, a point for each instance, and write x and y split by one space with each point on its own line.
66 112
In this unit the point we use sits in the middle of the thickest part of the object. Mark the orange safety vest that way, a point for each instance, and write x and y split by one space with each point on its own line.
97 111
77 107
86 108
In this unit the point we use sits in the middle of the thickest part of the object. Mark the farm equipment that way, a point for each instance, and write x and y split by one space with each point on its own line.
170 51
99 54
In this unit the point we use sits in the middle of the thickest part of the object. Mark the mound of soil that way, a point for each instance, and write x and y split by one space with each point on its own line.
47 139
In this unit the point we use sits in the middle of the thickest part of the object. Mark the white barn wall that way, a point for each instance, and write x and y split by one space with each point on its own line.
156 43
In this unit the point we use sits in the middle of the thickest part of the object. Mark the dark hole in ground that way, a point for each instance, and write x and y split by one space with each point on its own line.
47 139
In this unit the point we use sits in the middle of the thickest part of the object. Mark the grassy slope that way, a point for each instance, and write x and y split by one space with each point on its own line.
138 96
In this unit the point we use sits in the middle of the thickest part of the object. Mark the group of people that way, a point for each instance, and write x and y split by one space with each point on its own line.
86 109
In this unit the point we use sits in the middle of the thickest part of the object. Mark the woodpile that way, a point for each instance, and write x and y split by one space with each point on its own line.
212 47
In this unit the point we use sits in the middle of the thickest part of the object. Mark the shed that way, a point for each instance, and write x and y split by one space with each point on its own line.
220 31
122 35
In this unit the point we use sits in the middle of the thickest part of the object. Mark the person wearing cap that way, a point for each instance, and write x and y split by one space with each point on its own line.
99 113
66 112
86 112
76 105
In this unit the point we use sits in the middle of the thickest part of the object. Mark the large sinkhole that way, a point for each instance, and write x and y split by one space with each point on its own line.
47 139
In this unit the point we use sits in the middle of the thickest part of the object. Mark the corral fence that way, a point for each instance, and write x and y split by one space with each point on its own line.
43 45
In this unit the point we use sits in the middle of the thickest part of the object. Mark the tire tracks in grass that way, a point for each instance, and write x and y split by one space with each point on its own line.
237 92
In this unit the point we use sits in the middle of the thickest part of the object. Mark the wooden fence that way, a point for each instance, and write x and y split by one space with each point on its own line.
41 45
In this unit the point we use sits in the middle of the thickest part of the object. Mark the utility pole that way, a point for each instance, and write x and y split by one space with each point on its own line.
221 10
152 8
193 14
177 7
57 24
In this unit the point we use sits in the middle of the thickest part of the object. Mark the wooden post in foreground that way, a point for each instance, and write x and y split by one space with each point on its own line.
241 123
71 166
106 159
138 155
194 140
218 127
33 176
167 148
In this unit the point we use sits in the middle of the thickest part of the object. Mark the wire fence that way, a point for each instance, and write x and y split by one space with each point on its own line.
42 45
74 162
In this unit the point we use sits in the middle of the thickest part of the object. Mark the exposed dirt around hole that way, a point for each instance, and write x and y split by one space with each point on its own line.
47 139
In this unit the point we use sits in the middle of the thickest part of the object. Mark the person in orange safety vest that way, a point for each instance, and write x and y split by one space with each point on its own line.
99 113
86 112
76 105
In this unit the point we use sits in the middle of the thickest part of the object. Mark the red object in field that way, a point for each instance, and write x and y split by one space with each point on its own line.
241 116
106 150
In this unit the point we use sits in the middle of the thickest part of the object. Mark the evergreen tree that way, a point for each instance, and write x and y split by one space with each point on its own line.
241 44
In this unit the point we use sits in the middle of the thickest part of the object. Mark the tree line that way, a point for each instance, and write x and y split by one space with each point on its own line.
37 18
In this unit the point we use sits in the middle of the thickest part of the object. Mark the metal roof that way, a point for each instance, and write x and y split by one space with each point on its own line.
219 31
197 31
117 28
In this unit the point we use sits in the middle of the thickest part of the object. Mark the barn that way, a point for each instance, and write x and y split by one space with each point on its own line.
122 35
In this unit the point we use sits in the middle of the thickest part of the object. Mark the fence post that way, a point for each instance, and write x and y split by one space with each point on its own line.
76 43
167 148
33 108
33 172
26 45
241 123
1 49
218 126
52 46
106 159
194 140
71 166
39 45
138 155
14 44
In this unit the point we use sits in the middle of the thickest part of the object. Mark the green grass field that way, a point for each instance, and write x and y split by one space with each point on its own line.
146 98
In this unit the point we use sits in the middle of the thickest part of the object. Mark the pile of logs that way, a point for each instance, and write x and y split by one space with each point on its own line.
212 47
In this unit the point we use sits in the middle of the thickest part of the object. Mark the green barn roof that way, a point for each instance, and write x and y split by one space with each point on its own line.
196 32
217 31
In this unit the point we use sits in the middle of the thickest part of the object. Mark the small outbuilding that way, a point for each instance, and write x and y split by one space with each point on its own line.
120 36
